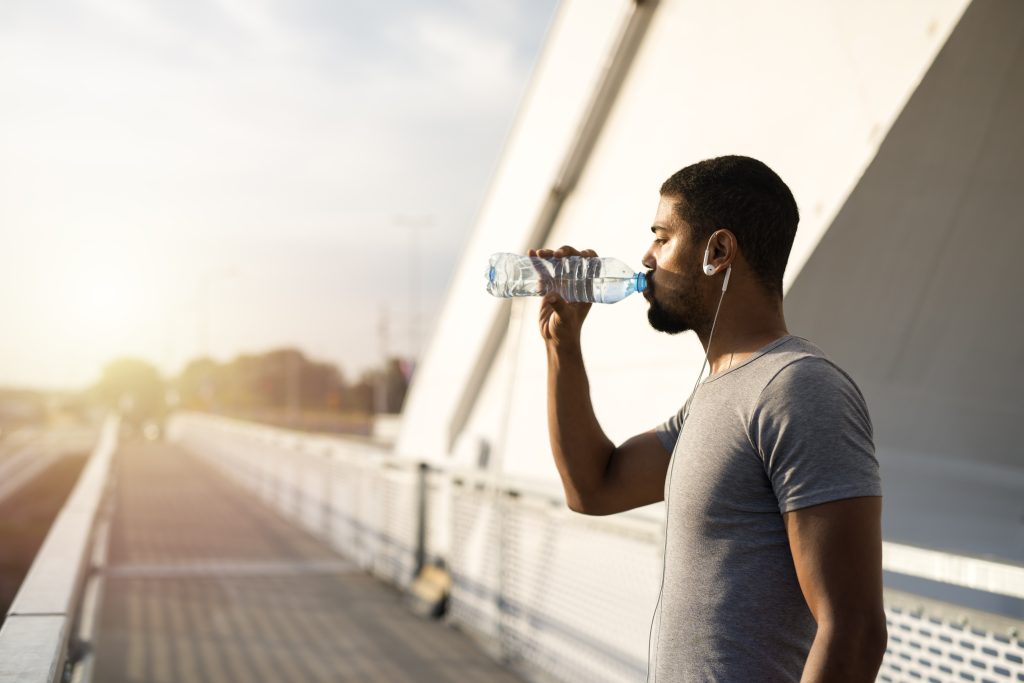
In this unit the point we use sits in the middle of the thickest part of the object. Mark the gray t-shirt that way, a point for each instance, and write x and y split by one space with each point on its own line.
783 430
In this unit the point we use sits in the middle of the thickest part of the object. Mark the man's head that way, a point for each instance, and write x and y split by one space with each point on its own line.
746 213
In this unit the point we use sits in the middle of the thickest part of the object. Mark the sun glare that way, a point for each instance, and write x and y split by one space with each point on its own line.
110 302
102 302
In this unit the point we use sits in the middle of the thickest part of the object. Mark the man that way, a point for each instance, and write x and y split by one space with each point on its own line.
773 542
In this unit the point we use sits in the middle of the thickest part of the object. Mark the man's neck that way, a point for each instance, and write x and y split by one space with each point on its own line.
743 330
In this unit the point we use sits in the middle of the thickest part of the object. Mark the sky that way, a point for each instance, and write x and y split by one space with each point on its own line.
182 177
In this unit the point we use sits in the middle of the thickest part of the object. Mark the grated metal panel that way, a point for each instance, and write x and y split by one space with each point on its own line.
474 563
344 535
924 648
438 511
396 529
578 595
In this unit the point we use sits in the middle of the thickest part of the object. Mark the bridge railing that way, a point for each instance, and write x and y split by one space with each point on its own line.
559 595
34 640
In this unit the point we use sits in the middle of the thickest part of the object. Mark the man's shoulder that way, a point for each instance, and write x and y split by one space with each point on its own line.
802 358
797 364
788 353
801 371
793 349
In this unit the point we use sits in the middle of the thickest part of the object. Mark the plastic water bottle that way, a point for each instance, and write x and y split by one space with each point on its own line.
575 278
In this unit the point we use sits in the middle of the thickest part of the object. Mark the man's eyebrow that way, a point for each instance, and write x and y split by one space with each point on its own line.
656 228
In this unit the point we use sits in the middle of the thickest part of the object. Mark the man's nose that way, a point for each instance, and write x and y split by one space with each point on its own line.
648 260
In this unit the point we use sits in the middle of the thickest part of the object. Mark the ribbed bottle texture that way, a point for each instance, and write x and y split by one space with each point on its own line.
575 278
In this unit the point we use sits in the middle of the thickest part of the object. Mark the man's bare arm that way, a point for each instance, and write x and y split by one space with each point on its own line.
598 477
837 552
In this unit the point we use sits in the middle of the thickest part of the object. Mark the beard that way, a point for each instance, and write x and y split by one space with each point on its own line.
665 321
673 317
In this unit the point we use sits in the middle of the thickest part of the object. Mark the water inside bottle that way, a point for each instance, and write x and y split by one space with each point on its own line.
574 278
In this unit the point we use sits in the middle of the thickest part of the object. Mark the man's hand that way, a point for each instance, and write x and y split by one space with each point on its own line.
561 321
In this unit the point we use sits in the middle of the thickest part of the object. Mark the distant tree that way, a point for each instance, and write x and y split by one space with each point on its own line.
197 384
134 387
361 395
270 380
382 391
286 378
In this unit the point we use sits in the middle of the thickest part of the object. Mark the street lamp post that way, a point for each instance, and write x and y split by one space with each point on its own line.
414 224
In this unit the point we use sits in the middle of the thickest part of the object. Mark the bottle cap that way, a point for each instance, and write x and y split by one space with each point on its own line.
641 282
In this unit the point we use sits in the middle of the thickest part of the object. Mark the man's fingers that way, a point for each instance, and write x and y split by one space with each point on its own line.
566 250
536 256
562 251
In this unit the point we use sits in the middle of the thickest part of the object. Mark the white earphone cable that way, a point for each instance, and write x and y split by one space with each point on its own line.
672 463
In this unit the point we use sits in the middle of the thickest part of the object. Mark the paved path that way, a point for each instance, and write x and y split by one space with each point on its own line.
204 584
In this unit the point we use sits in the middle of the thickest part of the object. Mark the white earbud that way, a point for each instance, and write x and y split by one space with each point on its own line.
708 268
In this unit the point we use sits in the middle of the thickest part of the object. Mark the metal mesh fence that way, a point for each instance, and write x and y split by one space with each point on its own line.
438 515
562 596
474 561
578 593
924 647
395 515
346 533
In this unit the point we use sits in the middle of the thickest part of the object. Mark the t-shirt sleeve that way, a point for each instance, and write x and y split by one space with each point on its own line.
668 431
813 432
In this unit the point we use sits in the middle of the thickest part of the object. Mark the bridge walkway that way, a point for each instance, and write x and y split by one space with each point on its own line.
205 584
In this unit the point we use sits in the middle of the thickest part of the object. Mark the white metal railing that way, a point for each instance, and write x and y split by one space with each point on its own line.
34 638
563 596
968 572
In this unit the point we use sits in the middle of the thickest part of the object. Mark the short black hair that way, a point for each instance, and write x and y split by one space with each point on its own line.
748 198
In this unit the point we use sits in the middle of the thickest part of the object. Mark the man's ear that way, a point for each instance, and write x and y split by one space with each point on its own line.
724 248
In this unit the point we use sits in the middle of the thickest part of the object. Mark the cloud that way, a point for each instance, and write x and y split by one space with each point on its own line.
479 69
